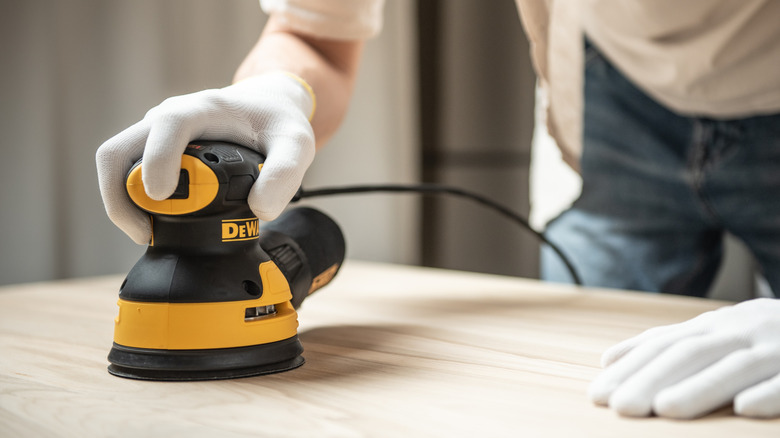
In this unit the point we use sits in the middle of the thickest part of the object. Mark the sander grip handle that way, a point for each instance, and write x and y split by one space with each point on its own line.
307 246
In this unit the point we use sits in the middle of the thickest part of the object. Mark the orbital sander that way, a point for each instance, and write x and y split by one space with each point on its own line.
216 292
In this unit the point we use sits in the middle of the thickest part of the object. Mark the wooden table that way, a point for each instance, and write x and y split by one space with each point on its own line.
391 351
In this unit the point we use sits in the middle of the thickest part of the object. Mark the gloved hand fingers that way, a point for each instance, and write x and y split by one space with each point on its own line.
718 384
252 113
228 114
639 351
634 397
763 399
615 352
173 124
281 174
114 158
699 323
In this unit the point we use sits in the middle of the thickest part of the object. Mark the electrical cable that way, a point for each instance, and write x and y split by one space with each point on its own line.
429 188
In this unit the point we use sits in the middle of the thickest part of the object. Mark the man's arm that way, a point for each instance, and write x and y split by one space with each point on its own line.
328 66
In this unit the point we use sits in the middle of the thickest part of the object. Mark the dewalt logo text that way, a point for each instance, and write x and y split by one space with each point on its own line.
240 229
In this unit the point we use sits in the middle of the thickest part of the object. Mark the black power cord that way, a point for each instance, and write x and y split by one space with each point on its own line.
427 188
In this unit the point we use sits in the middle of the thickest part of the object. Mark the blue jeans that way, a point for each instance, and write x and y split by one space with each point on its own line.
660 189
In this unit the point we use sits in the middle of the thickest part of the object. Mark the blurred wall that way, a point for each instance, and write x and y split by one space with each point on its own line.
445 94
478 117
378 143
77 72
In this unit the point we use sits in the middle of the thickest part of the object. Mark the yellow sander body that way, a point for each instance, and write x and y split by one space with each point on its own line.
215 294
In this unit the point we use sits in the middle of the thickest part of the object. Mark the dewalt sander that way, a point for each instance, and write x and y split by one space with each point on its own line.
215 294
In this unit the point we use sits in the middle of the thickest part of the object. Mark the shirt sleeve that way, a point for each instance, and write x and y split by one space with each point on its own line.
333 19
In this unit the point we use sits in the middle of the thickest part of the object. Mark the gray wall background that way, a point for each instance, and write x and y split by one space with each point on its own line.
478 97
445 94
76 72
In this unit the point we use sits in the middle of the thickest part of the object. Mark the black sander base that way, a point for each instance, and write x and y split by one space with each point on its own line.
213 364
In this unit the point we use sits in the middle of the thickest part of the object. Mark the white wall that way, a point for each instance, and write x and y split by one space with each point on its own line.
378 143
482 137
77 72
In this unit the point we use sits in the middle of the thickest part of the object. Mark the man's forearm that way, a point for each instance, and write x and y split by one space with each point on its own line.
328 66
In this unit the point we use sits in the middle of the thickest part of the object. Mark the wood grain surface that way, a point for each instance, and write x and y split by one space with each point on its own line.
390 351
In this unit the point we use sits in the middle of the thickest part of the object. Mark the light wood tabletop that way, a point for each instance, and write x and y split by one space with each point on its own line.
390 351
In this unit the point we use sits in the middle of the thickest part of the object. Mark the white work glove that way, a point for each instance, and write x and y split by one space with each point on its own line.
269 113
689 369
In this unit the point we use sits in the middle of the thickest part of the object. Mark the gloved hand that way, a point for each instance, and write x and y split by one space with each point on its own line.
269 113
689 369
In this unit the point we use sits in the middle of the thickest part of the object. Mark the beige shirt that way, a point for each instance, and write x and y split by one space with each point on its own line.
716 58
